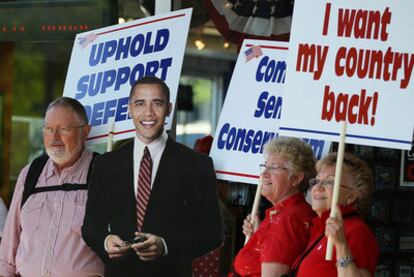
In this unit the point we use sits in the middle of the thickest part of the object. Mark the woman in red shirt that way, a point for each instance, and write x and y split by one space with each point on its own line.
284 232
355 247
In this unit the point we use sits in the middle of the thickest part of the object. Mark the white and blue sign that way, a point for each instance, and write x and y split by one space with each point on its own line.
251 112
106 62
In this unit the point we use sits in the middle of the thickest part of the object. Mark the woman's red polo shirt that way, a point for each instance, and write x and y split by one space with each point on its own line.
360 240
281 237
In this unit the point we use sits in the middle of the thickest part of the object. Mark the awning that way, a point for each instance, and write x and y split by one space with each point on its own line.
254 19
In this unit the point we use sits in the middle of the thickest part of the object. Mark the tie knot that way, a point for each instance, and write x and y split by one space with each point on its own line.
146 153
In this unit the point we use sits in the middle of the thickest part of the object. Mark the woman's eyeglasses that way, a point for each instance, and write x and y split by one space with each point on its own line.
328 182
271 169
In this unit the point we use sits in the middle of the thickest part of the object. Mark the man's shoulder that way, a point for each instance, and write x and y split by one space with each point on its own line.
120 151
35 166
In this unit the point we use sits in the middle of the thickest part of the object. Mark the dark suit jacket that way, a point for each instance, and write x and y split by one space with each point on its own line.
183 209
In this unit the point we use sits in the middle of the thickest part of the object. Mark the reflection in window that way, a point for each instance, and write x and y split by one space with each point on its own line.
194 109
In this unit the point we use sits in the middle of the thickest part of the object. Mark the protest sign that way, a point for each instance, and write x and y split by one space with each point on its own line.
106 62
251 112
351 61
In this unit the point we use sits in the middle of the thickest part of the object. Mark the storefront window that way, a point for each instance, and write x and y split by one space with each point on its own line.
193 120
39 74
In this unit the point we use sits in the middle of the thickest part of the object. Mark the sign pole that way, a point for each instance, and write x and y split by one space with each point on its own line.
255 205
162 6
110 137
337 184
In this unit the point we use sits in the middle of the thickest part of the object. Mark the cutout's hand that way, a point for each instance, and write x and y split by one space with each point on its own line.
150 249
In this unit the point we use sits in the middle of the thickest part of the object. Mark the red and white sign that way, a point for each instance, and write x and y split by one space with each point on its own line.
351 61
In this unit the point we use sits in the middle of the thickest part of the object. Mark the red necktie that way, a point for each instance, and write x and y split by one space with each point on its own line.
144 186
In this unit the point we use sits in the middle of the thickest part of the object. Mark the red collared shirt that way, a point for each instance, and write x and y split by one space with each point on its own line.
360 239
281 237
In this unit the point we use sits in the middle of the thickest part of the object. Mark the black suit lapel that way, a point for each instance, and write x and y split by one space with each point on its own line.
125 180
163 184
165 166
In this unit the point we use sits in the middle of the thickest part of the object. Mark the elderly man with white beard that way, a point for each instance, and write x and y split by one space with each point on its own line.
42 234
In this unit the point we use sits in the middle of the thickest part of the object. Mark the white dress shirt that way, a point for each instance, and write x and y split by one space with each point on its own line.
156 148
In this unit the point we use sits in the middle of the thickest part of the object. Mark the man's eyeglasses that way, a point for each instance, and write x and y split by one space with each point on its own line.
271 169
329 182
63 131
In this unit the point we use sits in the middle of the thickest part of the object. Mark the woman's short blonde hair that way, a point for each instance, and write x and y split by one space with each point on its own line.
362 177
299 154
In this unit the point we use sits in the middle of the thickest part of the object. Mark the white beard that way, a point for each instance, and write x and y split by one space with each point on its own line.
62 156
58 156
